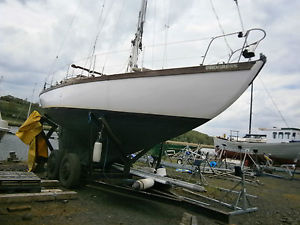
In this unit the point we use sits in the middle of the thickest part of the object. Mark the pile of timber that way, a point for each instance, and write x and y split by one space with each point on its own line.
16 186
17 181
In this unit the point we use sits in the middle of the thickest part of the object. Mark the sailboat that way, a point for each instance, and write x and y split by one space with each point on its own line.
135 110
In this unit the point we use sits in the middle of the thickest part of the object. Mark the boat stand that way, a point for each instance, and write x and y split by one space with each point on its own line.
242 195
247 154
222 160
43 120
289 169
197 171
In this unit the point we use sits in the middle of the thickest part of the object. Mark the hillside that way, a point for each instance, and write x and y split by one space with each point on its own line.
15 109
195 137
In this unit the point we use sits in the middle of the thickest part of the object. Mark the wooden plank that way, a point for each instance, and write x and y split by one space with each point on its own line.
52 190
18 208
18 176
19 181
49 183
30 197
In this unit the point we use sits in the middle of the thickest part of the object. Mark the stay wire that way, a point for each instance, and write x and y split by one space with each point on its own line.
120 14
220 25
167 26
275 105
52 67
97 36
240 16
154 33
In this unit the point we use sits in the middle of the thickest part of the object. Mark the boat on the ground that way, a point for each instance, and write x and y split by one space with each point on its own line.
3 127
135 110
282 145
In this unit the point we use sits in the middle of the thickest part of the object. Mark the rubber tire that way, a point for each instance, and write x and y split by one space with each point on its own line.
53 164
179 161
70 170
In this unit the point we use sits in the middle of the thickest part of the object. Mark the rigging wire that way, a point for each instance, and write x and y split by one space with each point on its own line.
240 16
126 50
220 25
166 26
112 43
153 36
270 96
97 35
52 67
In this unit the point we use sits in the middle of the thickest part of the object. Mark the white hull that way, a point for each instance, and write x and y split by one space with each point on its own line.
278 151
195 95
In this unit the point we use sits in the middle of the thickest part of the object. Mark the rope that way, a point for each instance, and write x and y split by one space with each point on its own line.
220 25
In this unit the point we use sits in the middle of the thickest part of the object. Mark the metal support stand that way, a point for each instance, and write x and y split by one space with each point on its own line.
197 170
159 157
247 154
289 169
127 160
220 159
53 125
242 195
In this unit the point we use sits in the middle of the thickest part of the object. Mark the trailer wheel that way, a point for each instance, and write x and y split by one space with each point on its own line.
53 164
69 171
179 161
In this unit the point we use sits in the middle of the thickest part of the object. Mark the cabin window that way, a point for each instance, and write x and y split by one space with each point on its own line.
274 135
294 135
287 135
280 135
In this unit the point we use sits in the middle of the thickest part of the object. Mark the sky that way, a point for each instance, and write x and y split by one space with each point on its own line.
39 39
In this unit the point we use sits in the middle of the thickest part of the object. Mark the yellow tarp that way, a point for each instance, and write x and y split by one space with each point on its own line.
30 134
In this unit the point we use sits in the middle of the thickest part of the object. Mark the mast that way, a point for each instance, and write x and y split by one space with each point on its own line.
251 102
137 41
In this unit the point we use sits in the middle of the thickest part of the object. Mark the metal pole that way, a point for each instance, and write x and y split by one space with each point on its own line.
160 155
251 101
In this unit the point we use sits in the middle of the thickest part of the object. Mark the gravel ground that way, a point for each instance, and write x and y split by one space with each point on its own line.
278 203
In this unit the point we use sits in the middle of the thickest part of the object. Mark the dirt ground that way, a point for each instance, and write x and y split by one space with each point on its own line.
278 203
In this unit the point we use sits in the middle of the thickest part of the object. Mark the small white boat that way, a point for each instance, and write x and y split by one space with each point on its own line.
3 127
281 144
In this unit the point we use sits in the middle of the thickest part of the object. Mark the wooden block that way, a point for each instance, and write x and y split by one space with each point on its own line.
66 195
194 220
18 208
186 219
52 190
16 180
26 197
49 183
30 197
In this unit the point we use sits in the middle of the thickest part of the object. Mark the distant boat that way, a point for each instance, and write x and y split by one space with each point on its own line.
143 107
282 145
3 127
